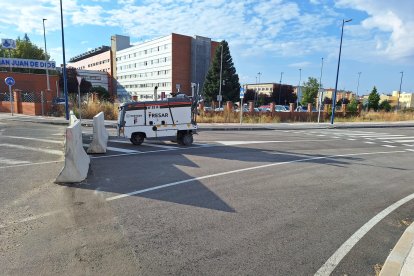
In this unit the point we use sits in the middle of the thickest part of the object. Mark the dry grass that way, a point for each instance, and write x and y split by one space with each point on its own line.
90 109
234 117
378 117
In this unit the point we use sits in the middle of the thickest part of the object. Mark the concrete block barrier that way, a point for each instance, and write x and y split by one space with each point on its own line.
76 160
72 118
100 135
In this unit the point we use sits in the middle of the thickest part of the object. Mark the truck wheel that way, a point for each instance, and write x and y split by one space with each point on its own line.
187 139
137 139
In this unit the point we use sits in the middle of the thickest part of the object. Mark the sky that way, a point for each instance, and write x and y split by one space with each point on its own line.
265 36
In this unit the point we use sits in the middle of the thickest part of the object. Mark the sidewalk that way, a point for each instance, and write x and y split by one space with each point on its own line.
221 127
401 259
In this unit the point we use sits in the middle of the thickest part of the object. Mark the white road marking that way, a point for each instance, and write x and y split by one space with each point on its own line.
44 215
370 142
389 146
244 170
34 139
407 145
410 149
389 142
49 151
234 143
159 146
121 141
12 161
122 150
339 254
394 138
404 141
149 151
321 135
350 139
31 164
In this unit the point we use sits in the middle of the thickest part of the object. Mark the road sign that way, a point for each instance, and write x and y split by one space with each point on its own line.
8 43
79 80
219 98
9 81
241 92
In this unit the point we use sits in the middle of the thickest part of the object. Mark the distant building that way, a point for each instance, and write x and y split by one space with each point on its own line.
406 100
96 78
169 64
340 94
101 59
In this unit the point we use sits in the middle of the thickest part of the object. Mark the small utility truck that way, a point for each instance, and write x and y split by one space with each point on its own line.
170 118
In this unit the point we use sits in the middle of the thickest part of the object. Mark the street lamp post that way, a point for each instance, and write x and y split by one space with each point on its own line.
280 86
221 72
320 94
337 71
399 91
65 81
359 76
257 94
298 90
47 70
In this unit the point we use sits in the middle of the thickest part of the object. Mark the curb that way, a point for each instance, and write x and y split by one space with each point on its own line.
401 259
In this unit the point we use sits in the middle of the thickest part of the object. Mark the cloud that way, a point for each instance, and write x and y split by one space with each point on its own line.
302 64
390 25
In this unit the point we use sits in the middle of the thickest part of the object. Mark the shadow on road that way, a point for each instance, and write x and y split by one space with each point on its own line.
131 173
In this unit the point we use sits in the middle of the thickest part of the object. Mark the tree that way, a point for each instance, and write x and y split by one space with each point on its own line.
27 50
102 92
230 89
249 95
310 91
373 99
286 96
352 107
385 105
72 82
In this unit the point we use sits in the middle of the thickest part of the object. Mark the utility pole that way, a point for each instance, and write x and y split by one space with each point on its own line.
399 91
359 76
320 93
298 90
280 86
337 71
221 71
47 71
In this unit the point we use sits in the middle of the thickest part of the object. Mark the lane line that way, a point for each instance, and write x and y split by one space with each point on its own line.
244 170
389 146
159 146
32 164
369 143
344 249
122 150
410 150
149 151
49 151
404 141
407 145
13 161
232 143
44 215
35 139
394 138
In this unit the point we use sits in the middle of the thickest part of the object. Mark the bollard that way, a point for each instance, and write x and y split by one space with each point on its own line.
77 161
100 135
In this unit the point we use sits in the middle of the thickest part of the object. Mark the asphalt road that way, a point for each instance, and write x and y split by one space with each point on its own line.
235 203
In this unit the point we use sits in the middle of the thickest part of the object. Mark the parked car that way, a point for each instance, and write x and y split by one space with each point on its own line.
281 108
301 109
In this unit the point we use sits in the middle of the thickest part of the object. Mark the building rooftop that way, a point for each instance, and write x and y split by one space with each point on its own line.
90 53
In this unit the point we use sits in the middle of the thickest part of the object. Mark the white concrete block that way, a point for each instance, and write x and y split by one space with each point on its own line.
76 160
100 135
72 118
